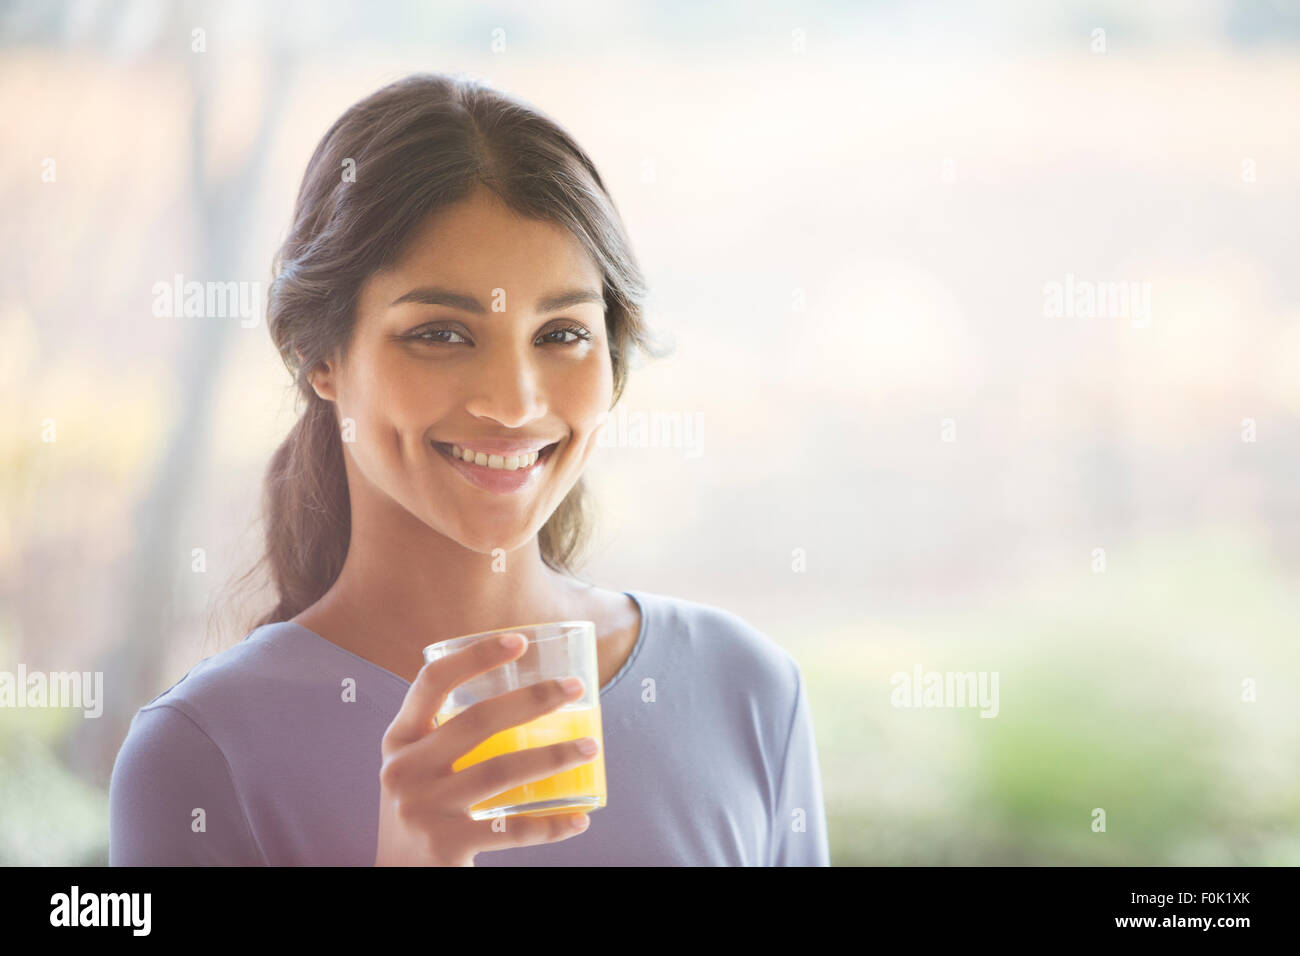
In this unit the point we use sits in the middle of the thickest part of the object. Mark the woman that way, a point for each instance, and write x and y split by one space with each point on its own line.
458 304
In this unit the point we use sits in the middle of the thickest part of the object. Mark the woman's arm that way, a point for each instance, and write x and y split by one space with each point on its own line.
799 820
172 801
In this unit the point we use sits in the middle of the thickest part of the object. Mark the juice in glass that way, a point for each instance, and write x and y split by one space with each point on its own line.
568 790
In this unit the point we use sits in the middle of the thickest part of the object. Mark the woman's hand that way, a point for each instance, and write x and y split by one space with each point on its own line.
424 805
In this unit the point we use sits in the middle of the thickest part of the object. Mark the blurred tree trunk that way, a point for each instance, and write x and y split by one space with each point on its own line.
132 669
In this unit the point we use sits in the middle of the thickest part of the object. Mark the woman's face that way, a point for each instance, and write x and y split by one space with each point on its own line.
490 329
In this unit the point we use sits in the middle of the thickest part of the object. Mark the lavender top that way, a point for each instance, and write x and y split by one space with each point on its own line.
718 769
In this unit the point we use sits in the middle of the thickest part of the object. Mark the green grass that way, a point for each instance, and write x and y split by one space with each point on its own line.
1119 691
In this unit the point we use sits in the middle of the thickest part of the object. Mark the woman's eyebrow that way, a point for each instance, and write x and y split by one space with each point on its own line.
435 295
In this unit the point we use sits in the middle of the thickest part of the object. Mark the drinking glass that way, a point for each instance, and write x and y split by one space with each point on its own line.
556 650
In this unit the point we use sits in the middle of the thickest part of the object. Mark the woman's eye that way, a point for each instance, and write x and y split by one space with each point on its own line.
578 332
426 335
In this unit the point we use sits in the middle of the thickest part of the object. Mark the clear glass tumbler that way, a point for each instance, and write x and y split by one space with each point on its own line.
557 650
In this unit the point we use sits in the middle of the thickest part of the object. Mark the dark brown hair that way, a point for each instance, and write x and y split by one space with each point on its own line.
416 145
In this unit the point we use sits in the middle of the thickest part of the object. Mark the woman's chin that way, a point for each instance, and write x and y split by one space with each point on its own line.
493 539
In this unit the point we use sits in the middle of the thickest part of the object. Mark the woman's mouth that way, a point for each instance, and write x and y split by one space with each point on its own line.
496 473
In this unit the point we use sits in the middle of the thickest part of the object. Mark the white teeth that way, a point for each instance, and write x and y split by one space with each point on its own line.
498 462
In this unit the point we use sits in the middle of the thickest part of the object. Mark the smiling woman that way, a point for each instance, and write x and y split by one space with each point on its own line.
458 303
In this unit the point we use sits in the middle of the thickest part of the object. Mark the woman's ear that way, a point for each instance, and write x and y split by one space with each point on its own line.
322 379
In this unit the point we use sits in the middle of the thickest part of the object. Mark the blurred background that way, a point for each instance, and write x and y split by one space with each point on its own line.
853 217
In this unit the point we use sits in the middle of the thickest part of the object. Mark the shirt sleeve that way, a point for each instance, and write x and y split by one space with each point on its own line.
799 823
168 769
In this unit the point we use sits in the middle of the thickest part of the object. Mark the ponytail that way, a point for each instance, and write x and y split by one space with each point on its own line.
307 514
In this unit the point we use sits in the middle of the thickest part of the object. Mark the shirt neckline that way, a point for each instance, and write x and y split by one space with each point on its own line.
637 597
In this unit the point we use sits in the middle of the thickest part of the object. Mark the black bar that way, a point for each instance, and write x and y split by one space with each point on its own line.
976 903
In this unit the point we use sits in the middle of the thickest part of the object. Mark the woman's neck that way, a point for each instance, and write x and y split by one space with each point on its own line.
389 602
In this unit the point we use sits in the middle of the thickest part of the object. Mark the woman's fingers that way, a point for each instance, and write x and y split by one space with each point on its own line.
530 830
486 779
504 833
435 681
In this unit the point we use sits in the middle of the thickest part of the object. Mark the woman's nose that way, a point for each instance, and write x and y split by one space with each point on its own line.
507 387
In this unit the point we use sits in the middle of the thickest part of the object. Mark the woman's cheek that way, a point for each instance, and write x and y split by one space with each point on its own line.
388 401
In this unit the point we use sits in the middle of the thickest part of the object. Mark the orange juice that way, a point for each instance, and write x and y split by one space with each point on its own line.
575 787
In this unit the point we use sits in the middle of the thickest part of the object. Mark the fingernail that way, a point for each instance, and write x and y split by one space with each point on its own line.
511 642
578 823
587 745
571 685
